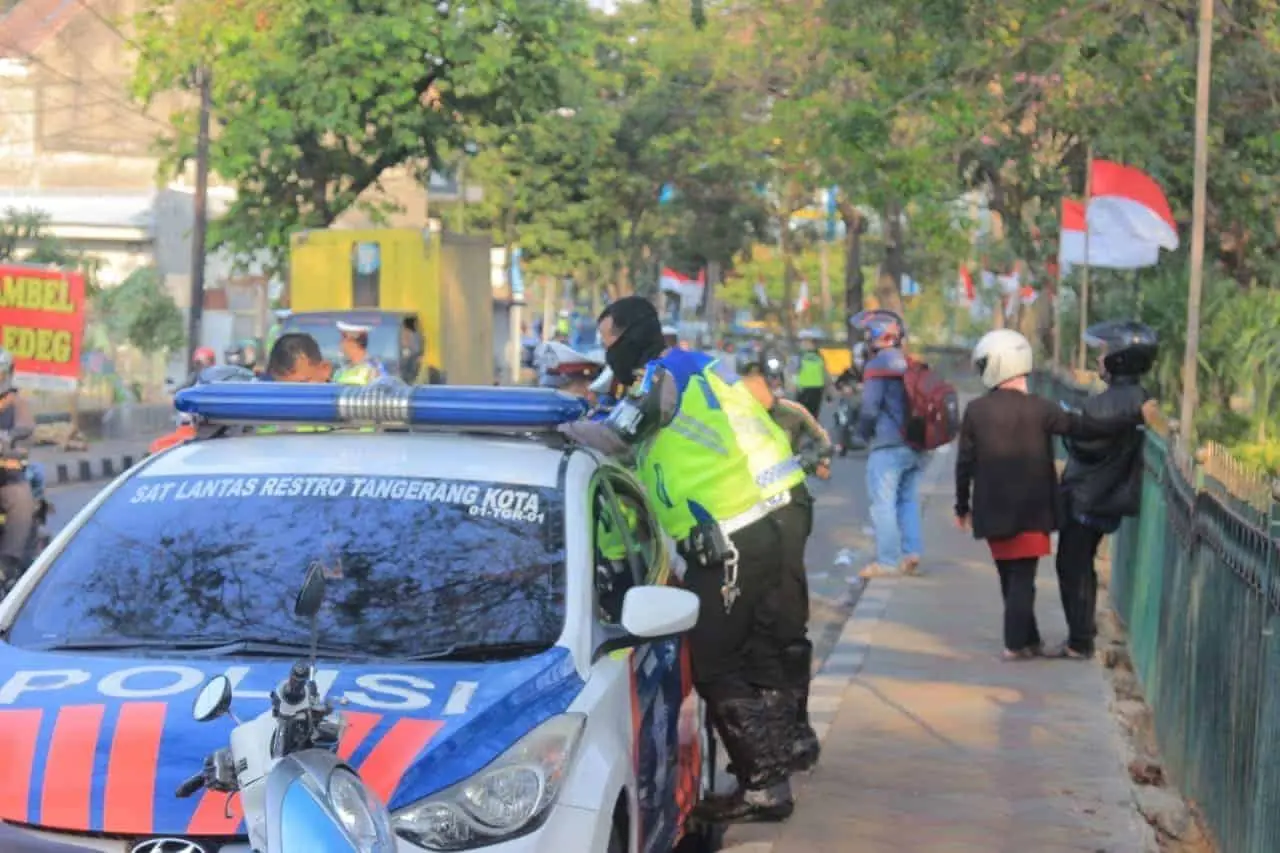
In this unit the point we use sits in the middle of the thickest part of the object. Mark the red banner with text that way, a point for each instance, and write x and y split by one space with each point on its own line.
42 325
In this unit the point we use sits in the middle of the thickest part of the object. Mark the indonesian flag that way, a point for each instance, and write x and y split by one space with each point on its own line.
1108 249
690 290
1125 200
802 303
966 284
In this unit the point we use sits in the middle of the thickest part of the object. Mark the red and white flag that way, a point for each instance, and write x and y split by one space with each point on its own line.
1126 200
1108 249
967 289
802 303
690 290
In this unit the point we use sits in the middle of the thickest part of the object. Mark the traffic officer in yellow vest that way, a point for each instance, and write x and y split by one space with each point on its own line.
719 474
811 377
360 367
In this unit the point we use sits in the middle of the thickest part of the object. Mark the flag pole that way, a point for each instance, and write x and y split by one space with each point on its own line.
1204 70
1084 279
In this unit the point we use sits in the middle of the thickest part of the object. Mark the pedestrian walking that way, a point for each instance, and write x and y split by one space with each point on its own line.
1102 483
1006 482
720 474
893 466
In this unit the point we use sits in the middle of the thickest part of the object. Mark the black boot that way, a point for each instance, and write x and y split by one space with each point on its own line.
754 735
805 747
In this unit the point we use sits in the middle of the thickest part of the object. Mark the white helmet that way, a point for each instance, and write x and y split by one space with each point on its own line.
1002 355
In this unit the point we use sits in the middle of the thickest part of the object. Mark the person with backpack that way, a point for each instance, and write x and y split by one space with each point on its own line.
907 411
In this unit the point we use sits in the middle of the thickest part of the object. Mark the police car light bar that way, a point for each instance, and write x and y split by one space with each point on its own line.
427 405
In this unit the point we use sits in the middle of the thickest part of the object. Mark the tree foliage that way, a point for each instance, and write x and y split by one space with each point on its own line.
140 313
611 145
313 100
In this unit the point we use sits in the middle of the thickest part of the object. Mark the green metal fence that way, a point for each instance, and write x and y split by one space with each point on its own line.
1196 580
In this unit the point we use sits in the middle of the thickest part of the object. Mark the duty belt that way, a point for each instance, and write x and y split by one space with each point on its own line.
744 520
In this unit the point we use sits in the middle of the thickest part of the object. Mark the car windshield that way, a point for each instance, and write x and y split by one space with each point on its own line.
415 566
384 338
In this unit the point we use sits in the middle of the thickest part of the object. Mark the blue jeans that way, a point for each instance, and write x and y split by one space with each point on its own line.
893 485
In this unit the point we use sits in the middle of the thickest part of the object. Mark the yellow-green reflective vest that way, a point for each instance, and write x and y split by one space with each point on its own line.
357 374
722 454
812 373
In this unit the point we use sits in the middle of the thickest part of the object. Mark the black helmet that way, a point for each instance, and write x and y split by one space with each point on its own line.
1130 347
763 361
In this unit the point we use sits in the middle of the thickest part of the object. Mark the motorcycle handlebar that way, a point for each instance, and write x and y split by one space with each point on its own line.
189 787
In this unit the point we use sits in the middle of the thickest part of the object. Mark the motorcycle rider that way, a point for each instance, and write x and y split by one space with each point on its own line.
296 357
202 359
721 477
1102 483
360 367
243 354
17 500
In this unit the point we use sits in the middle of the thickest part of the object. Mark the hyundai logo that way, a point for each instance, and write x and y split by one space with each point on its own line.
167 845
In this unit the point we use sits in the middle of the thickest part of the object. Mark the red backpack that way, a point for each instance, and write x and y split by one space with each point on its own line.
933 408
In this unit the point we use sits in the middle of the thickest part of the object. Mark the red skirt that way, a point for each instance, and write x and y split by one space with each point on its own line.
1024 546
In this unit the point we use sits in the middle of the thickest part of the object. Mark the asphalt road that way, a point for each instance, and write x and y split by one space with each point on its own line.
69 500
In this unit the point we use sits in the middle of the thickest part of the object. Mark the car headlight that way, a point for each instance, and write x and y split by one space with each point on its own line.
361 813
509 797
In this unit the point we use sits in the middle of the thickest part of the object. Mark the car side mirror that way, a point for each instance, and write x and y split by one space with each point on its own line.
311 596
651 613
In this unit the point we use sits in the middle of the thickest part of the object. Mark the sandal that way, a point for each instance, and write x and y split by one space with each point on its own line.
1021 654
1065 652
911 565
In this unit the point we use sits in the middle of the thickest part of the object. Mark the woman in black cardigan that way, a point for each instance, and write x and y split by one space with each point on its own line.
1005 459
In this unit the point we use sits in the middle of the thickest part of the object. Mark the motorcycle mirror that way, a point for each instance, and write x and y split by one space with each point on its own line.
213 700
311 596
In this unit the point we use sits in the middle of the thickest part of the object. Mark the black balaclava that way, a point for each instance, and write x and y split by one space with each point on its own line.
640 339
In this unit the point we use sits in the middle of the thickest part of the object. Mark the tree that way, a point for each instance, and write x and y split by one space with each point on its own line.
25 238
314 100
139 312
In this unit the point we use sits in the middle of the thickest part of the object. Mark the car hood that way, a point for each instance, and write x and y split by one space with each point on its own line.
99 744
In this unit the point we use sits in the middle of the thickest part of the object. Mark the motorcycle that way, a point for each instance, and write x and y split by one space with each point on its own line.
16 459
846 414
298 797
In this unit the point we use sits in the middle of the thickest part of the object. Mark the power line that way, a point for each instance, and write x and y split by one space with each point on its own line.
31 57
84 4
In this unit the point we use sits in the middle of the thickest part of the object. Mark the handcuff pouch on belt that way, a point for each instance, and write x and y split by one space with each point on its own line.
706 547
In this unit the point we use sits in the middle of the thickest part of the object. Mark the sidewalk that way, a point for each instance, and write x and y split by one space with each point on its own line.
937 746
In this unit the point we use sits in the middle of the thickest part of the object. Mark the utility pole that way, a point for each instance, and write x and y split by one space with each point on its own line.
1204 72
1084 281
200 225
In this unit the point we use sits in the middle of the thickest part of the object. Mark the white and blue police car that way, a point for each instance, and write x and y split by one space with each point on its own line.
500 630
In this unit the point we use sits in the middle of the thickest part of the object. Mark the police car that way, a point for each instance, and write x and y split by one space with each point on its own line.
501 630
